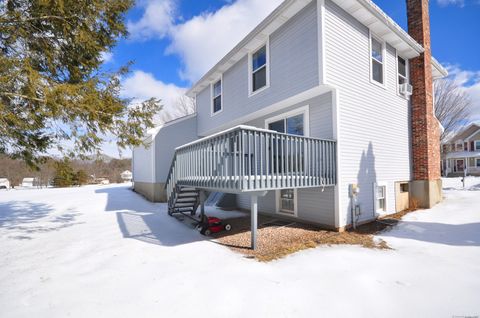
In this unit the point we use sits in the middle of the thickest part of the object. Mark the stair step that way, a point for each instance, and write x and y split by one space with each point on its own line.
184 205
187 195
186 199
186 189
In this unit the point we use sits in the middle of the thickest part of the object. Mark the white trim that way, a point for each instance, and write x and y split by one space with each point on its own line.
475 145
336 136
293 213
376 209
384 60
322 75
219 79
267 68
407 72
305 110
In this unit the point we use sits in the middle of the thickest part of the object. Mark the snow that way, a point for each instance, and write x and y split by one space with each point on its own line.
103 251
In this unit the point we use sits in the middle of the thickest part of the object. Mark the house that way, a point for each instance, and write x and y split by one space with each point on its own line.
461 153
4 183
126 176
323 114
29 182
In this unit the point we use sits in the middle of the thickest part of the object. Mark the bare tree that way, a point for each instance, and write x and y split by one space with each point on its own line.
452 106
184 106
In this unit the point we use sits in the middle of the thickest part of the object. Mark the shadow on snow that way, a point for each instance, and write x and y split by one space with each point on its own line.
145 221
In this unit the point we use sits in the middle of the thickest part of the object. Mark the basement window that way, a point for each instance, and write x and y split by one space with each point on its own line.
403 187
259 68
381 198
377 60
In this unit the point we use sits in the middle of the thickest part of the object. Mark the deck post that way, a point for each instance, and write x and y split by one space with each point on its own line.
253 219
254 216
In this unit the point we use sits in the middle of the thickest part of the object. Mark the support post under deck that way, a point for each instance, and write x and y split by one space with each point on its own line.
253 220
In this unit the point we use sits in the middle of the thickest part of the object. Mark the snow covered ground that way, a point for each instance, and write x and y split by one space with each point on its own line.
103 251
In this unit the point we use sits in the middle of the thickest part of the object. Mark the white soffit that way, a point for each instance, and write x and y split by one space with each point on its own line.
381 25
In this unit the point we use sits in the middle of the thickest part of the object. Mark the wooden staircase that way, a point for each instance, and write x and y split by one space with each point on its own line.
184 200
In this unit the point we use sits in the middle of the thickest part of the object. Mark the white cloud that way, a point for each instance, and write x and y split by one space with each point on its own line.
156 21
444 3
470 82
106 57
141 86
205 39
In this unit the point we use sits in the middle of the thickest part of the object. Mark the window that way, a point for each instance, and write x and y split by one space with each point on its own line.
217 97
402 68
459 147
259 69
477 144
377 49
290 125
287 201
381 198
478 163
403 187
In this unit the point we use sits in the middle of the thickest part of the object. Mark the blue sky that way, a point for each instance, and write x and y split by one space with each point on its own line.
173 42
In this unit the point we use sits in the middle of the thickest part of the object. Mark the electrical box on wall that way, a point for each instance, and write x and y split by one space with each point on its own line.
354 190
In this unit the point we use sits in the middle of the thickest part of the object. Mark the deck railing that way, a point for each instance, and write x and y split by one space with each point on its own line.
244 159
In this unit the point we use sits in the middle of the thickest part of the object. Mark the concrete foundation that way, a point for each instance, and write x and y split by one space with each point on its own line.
426 192
154 192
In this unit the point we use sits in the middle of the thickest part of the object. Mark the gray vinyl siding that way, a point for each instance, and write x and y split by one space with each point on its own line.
167 139
293 69
314 204
374 122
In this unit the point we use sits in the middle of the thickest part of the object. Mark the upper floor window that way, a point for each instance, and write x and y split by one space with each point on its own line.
377 49
259 69
402 70
477 144
217 97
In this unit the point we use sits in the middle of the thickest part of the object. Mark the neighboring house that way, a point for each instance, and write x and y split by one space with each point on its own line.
461 153
4 183
126 176
29 182
309 117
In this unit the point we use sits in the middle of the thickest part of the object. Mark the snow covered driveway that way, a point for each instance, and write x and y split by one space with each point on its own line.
106 252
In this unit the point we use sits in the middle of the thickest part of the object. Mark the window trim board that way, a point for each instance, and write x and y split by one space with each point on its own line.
371 36
212 105
267 68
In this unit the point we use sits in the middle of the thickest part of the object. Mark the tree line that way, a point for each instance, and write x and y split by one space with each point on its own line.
63 172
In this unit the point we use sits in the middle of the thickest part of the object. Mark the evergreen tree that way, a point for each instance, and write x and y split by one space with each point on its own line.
64 174
52 86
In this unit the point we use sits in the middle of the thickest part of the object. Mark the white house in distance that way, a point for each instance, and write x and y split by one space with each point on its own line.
461 153
126 176
4 183
320 114
29 182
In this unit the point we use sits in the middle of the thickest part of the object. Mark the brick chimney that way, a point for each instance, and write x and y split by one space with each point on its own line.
426 185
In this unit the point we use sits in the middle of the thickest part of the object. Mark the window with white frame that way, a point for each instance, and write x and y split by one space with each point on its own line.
377 50
477 144
381 198
217 97
402 68
259 69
